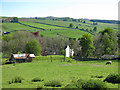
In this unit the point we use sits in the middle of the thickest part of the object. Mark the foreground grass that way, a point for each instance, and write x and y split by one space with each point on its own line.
65 72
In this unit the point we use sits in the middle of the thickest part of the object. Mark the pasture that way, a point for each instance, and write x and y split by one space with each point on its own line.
64 72
50 28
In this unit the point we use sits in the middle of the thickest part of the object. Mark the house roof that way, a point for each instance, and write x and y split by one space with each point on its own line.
31 55
23 56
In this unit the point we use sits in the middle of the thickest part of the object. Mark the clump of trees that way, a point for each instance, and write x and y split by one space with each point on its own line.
55 45
17 43
106 42
10 19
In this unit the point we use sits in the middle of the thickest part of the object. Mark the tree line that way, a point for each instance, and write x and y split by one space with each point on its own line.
106 42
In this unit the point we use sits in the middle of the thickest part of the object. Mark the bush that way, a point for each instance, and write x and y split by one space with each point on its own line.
80 82
69 61
37 79
71 86
17 79
113 78
87 84
93 84
100 76
53 83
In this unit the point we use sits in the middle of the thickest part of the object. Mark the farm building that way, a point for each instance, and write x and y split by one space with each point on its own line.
21 57
69 52
109 57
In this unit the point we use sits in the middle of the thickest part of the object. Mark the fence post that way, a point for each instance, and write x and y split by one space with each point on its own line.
64 56
51 58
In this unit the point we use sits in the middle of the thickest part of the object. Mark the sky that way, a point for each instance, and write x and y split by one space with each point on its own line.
89 9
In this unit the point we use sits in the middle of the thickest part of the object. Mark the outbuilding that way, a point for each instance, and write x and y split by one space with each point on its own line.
21 58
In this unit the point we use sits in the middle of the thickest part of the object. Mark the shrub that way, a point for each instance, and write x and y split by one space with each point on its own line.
39 87
37 79
53 83
80 82
93 84
71 86
17 79
97 76
113 78
69 61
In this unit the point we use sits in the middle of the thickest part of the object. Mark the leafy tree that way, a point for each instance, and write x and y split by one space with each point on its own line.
15 19
76 27
87 45
71 25
33 46
106 42
108 31
119 42
95 28
7 37
84 21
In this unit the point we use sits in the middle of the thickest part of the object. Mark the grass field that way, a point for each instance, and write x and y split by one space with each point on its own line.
15 26
50 28
65 72
88 25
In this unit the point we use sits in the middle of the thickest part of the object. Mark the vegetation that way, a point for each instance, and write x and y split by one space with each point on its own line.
106 42
53 83
89 40
33 46
71 25
63 72
90 84
37 79
113 78
87 45
16 80
16 43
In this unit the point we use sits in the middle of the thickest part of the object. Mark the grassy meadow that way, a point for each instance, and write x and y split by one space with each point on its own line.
64 72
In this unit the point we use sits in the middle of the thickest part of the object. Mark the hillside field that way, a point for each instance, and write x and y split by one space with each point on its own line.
51 28
64 72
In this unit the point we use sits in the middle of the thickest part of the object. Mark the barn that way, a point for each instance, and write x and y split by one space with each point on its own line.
21 58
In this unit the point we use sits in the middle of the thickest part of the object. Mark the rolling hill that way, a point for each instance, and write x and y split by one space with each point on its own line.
52 27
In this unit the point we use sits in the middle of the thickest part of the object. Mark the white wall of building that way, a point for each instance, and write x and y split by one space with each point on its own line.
69 52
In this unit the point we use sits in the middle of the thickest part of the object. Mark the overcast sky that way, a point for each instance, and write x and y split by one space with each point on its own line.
91 9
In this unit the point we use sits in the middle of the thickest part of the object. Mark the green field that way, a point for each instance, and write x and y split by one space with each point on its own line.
51 28
65 72
15 26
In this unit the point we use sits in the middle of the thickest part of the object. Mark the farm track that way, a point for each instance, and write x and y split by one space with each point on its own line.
86 65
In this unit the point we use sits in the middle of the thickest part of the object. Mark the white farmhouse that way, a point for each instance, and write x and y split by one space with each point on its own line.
69 52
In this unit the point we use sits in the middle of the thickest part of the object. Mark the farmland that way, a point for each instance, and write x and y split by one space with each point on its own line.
65 72
52 43
51 28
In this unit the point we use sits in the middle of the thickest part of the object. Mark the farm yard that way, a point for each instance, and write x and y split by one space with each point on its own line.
63 72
